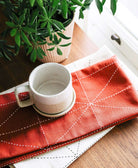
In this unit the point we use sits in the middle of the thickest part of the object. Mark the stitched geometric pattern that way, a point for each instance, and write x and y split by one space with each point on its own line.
64 156
104 97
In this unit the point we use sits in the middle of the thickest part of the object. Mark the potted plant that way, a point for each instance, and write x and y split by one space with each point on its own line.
39 26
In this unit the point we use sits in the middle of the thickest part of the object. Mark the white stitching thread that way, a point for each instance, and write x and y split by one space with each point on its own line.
20 145
78 108
74 123
81 103
52 157
78 79
116 107
3 104
105 86
95 131
37 123
42 130
78 148
7 103
9 116
25 127
94 72
105 98
65 143
87 98
70 150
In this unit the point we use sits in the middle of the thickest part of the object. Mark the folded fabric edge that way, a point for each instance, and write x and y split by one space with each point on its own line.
52 147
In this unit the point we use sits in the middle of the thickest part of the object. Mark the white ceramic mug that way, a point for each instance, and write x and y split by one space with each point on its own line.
50 89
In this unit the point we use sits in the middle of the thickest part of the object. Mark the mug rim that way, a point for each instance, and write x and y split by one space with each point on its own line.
44 65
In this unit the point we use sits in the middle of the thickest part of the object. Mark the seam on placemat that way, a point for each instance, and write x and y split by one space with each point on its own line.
20 145
52 157
70 150
94 72
105 85
74 123
118 107
25 127
44 150
37 123
9 116
87 97
117 93
7 103
43 132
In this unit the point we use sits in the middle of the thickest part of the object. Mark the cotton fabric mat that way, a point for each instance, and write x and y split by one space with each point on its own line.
114 92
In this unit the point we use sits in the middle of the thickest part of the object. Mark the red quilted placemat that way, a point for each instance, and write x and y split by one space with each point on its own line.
104 97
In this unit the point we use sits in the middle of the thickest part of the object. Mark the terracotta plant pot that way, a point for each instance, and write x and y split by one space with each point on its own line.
52 56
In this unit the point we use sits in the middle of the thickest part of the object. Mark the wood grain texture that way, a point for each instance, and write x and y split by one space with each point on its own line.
119 148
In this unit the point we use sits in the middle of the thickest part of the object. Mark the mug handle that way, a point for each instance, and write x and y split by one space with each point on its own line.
22 89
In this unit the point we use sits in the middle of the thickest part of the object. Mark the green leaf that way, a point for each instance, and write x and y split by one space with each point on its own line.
39 49
63 36
64 8
81 15
53 11
55 3
34 16
33 55
51 49
59 52
39 55
59 40
9 52
57 24
55 39
10 47
21 19
65 45
49 28
77 2
50 44
14 18
29 50
32 2
43 24
67 22
44 12
18 39
10 24
87 2
99 5
25 39
103 2
50 37
73 8
113 6
29 30
40 3
6 56
13 32
42 43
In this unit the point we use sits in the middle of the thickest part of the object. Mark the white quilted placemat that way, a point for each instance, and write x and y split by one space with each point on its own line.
64 156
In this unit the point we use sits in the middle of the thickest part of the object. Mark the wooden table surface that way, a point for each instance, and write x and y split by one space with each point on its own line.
119 148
